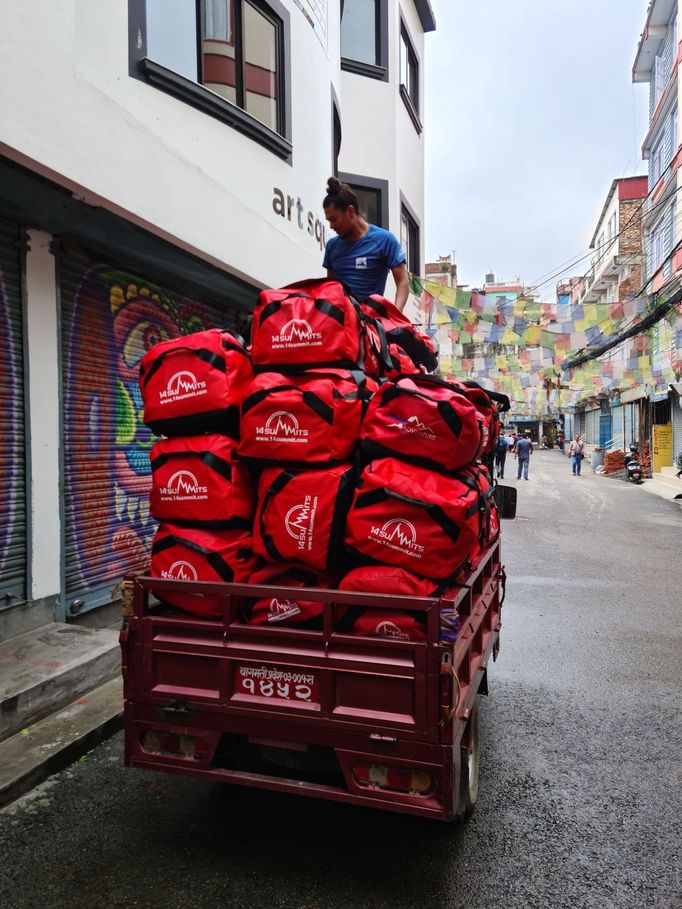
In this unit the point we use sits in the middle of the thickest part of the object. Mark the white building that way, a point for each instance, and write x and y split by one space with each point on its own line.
160 161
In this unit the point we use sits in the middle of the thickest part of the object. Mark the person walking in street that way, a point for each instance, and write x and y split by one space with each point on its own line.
524 449
576 452
500 456
362 254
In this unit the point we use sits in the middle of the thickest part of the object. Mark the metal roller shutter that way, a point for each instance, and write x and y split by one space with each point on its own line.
110 317
12 427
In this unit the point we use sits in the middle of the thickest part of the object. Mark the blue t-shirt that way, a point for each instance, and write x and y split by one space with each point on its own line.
364 264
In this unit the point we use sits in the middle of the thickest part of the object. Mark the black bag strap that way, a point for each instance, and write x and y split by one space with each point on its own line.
214 559
234 346
202 353
211 460
332 310
323 410
445 522
278 484
446 411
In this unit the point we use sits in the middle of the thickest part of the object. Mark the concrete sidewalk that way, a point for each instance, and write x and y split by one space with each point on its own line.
60 695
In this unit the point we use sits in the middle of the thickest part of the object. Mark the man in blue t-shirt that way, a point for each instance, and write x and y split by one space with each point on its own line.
362 254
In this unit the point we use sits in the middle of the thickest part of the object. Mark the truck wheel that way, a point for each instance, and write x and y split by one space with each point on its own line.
470 763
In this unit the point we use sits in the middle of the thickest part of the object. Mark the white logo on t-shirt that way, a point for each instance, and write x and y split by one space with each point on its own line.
361 262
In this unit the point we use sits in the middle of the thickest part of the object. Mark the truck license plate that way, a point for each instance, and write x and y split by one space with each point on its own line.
277 683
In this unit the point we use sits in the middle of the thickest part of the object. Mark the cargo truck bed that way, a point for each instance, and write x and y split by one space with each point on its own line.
375 721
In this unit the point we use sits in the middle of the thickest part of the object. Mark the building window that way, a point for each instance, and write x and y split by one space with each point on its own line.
337 134
409 238
364 37
231 58
657 164
372 195
409 77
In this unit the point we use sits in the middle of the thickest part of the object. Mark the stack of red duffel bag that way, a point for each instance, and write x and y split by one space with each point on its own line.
192 388
324 456
317 354
423 511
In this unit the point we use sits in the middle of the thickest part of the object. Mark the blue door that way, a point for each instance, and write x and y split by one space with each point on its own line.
605 429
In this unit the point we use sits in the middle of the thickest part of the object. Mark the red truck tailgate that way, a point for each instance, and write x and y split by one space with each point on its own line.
315 677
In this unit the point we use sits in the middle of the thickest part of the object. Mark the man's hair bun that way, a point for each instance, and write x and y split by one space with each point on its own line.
334 186
340 195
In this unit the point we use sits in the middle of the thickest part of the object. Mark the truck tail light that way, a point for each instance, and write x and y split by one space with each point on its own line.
182 746
396 779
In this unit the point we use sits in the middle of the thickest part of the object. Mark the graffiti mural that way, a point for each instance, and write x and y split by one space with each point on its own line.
111 319
12 455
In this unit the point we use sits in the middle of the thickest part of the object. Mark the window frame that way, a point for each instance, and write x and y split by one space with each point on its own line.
373 184
142 67
372 70
414 223
412 104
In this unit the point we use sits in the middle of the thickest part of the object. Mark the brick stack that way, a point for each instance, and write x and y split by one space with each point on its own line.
614 462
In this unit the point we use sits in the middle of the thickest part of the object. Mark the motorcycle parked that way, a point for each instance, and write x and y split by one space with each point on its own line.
635 473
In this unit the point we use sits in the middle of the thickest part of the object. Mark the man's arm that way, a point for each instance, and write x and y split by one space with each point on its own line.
330 274
402 285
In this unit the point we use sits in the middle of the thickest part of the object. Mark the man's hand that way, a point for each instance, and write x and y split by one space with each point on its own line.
402 285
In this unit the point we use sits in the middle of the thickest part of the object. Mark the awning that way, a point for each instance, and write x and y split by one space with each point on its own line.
632 394
31 200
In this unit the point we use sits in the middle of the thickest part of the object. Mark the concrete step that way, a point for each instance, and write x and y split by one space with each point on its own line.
53 743
670 472
46 669
671 482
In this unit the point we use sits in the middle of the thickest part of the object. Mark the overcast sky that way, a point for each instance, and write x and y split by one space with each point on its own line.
530 114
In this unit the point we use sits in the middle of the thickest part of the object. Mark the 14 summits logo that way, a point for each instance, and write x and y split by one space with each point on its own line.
300 522
182 385
414 426
183 486
391 630
181 571
297 333
281 426
400 535
279 610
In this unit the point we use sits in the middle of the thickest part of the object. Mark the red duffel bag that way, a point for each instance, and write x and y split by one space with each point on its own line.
414 517
309 418
292 609
489 520
401 334
195 384
487 407
309 324
393 623
425 420
301 514
189 554
197 481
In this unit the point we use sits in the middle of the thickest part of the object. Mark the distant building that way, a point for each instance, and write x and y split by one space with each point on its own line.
657 62
443 271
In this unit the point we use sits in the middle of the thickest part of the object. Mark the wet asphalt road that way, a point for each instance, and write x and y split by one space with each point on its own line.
581 760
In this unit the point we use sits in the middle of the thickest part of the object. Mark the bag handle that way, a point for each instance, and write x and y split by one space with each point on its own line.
208 356
446 411
214 559
374 496
209 458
